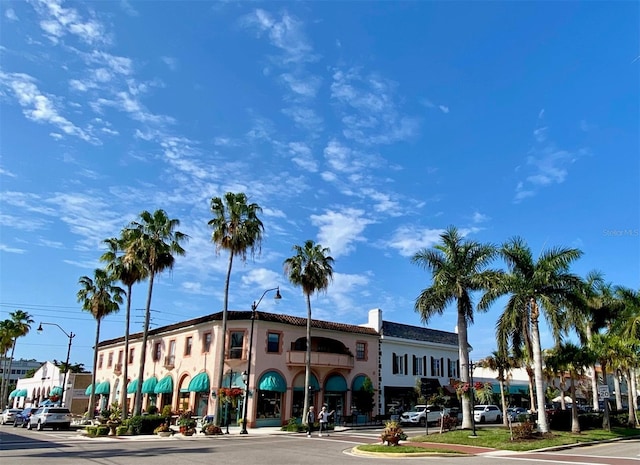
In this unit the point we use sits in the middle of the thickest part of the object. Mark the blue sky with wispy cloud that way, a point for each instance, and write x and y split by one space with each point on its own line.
366 126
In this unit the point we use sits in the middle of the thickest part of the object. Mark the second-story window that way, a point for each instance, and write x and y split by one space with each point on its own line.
273 342
110 360
157 351
399 366
237 340
187 345
206 342
361 351
131 353
100 360
120 356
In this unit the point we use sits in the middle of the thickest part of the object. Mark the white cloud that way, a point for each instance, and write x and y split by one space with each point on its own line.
58 21
128 8
304 86
8 249
10 14
408 240
305 118
443 108
171 62
302 156
480 217
339 230
4 172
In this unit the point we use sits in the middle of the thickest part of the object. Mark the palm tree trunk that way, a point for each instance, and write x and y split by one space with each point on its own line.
575 423
137 410
594 388
532 391
634 389
5 379
505 419
223 337
463 349
632 414
307 362
5 394
543 425
616 386
92 397
125 369
606 422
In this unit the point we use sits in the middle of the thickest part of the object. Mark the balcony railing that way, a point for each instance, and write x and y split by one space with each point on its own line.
170 361
117 368
320 359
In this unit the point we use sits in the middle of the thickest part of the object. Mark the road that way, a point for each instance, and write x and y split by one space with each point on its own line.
22 447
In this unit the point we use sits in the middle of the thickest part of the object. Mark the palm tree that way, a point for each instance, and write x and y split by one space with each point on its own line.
458 268
503 364
544 286
604 349
21 325
238 230
154 242
99 297
311 268
7 333
129 271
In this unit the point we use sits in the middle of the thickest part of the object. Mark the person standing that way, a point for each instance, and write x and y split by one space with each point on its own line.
311 418
323 418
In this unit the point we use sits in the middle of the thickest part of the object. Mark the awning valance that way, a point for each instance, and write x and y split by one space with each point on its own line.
164 386
199 383
13 393
21 393
87 391
149 385
56 391
272 381
313 382
132 387
103 388
358 382
335 383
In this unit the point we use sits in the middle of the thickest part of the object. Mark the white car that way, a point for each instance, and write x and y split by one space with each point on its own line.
50 417
8 415
422 414
487 413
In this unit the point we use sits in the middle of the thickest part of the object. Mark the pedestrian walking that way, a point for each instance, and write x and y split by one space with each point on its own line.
311 418
323 418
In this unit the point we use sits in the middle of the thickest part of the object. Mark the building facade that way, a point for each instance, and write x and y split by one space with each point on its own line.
19 368
181 369
409 355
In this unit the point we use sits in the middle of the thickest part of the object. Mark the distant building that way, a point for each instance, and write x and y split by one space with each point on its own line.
19 368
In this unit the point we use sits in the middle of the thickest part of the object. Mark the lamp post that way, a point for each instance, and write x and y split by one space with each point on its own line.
472 389
226 410
247 373
66 364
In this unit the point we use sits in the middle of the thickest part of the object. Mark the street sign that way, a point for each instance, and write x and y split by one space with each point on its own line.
603 391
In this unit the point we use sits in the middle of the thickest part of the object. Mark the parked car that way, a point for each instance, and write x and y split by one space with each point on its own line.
8 415
22 418
422 414
515 412
50 417
487 413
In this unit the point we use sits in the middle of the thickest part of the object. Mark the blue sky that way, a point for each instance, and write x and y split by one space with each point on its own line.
367 127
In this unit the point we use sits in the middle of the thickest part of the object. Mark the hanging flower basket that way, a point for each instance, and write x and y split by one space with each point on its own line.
230 395
54 398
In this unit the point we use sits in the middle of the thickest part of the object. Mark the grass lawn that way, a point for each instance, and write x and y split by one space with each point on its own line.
403 449
499 438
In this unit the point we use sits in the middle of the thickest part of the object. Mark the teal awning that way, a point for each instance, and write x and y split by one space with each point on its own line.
236 381
21 393
272 381
13 393
199 383
56 391
103 388
358 382
335 383
313 382
521 389
149 385
164 386
87 392
132 387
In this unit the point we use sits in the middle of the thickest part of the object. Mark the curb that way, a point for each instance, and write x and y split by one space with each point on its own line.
582 444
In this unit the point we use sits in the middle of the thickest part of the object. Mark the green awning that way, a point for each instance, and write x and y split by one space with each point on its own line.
272 381
56 391
164 386
103 388
13 393
335 383
132 387
313 382
521 389
87 392
21 393
358 382
149 385
199 383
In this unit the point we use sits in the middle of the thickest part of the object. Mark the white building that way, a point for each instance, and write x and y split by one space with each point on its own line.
409 354
19 368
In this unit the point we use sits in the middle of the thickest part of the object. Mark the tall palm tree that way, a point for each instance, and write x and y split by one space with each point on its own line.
503 364
238 230
100 297
604 349
7 333
458 268
535 287
128 271
153 241
311 268
21 325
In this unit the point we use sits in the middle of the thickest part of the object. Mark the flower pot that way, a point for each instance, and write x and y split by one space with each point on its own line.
164 434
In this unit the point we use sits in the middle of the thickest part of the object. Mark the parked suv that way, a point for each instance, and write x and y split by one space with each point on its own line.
487 413
422 414
50 417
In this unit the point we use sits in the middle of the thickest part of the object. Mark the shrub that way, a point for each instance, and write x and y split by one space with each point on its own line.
163 428
524 430
152 410
145 424
122 430
211 429
392 433
102 430
91 430
448 422
293 425
166 411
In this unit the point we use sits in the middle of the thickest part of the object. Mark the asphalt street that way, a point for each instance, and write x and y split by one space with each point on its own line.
24 447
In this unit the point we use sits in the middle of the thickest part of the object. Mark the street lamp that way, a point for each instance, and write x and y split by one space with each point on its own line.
246 374
472 390
66 364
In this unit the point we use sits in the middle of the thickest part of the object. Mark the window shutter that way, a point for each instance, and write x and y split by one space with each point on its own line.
406 365
441 367
433 367
394 363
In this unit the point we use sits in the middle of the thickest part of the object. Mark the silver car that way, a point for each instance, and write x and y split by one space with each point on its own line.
50 417
8 415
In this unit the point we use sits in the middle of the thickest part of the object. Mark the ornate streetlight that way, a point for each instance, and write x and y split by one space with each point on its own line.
66 364
247 373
